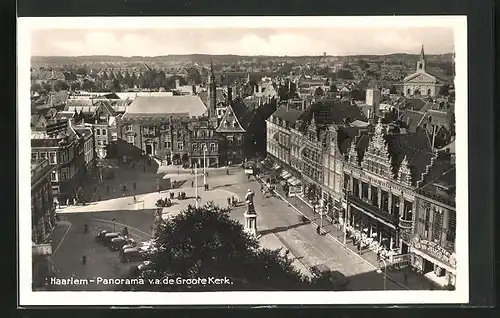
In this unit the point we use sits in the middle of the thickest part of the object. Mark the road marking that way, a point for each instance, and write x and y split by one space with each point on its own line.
337 241
128 226
62 239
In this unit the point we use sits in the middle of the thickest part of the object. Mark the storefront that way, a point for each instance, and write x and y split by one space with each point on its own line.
375 233
433 260
294 187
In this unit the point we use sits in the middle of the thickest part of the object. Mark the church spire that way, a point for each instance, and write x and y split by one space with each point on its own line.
421 61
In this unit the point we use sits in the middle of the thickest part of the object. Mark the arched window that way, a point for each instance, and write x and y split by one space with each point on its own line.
420 65
408 91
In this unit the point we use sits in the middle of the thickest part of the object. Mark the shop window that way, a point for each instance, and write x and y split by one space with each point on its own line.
364 190
374 196
385 201
355 187
452 223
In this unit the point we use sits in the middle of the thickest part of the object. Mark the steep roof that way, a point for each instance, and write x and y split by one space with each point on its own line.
439 183
290 115
152 105
335 112
230 122
415 147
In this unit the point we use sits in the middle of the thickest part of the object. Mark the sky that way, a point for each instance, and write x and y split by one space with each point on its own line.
241 41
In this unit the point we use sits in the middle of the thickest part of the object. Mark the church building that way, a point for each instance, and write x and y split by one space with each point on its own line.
421 83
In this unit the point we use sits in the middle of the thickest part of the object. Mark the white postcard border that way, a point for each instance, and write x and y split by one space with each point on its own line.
29 298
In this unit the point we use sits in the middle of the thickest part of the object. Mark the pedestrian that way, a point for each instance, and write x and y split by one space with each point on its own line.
227 171
378 256
84 260
192 184
287 251
135 185
318 230
135 200
229 201
405 276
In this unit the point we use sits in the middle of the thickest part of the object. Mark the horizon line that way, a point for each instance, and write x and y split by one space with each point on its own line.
239 55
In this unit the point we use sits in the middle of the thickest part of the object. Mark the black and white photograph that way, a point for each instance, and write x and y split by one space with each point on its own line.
251 160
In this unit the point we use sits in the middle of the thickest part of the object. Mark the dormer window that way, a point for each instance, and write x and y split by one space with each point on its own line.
226 124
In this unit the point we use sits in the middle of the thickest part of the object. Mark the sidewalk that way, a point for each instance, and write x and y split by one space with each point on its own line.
335 232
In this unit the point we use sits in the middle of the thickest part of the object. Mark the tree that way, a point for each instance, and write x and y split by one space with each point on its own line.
319 92
345 74
35 87
205 242
60 85
444 90
393 90
47 87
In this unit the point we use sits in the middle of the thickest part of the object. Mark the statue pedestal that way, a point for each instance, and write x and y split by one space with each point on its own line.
251 224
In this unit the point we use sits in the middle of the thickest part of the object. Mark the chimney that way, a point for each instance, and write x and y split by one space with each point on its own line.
229 94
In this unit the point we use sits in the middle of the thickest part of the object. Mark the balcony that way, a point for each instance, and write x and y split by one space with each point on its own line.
405 224
372 209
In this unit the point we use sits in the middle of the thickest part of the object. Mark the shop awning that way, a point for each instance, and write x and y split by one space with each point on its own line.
294 181
285 175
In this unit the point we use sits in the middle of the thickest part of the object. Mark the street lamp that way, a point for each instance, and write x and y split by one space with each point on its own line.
196 184
379 271
205 167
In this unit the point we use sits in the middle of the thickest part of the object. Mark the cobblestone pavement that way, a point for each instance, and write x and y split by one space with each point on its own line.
335 232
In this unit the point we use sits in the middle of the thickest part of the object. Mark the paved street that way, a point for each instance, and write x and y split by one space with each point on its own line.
278 225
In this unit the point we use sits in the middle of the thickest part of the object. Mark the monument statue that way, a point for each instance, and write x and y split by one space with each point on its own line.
250 214
249 202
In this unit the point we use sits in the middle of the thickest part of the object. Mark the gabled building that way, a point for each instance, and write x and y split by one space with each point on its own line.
380 183
434 231
232 130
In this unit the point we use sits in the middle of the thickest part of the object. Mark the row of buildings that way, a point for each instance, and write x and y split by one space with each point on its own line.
391 183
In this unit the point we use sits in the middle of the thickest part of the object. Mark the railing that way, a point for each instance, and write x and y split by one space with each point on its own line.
405 224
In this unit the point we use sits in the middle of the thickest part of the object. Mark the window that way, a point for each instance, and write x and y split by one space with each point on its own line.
98 131
130 139
64 173
212 147
52 158
128 127
452 223
43 155
53 176
195 147
230 140
180 146
34 155
99 142
104 132
168 145
437 224
226 124
364 190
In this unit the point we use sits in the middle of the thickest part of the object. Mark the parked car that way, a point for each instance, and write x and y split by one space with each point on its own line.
106 240
100 236
335 277
118 242
131 255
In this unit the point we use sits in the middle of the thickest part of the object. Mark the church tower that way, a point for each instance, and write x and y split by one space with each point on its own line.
212 92
421 61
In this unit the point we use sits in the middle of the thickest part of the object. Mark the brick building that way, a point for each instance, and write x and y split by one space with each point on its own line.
42 204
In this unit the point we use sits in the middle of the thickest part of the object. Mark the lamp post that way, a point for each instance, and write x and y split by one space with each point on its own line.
205 167
379 271
196 184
